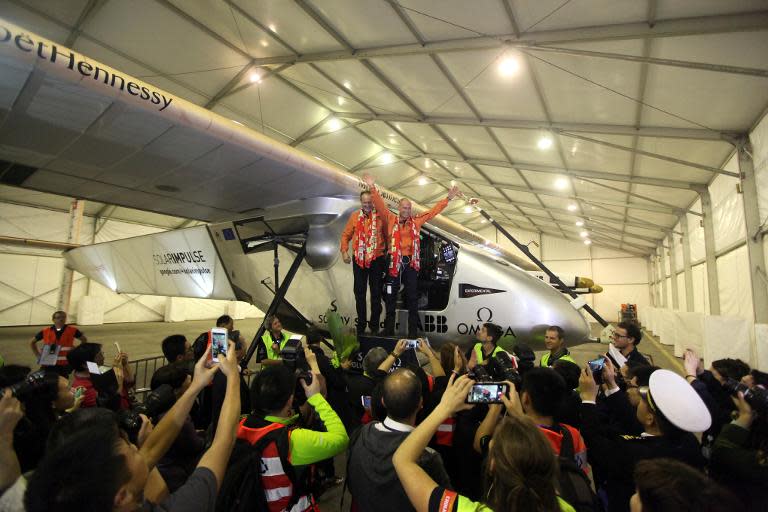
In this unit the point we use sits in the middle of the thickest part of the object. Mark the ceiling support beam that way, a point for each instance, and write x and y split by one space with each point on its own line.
648 154
90 9
703 66
709 250
550 169
604 129
664 28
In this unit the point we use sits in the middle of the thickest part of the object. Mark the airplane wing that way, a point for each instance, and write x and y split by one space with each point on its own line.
74 126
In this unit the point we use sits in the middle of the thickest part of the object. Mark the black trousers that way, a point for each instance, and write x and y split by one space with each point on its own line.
369 278
409 278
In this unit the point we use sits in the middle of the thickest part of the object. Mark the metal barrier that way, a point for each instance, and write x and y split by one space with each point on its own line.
143 369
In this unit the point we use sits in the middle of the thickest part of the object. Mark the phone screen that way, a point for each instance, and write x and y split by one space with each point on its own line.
596 365
487 393
412 344
218 344
366 401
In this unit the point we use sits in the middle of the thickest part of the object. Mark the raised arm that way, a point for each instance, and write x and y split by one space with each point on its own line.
393 356
166 432
418 485
217 456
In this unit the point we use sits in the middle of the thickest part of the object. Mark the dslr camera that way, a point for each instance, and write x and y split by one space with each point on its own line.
499 368
35 382
293 357
756 397
155 403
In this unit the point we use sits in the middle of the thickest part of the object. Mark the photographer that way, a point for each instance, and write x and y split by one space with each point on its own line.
487 337
97 469
520 475
44 396
739 452
271 437
360 385
669 412
113 396
180 460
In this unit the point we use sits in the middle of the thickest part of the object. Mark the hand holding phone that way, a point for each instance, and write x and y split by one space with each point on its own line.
219 343
487 393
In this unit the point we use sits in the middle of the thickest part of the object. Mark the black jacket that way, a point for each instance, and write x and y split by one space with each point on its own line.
737 466
373 482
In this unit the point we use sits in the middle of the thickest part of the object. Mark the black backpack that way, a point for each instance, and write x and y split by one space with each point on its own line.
241 489
573 484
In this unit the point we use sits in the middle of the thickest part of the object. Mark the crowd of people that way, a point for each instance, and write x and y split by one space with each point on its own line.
621 435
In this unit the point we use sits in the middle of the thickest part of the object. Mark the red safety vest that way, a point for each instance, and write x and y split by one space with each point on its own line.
444 434
277 486
66 341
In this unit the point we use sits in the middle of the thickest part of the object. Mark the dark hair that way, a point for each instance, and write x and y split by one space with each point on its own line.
667 485
269 320
272 388
53 316
223 320
173 347
85 352
494 331
642 373
760 378
77 421
175 375
731 368
545 388
66 477
525 470
559 330
401 391
314 335
364 192
447 355
570 372
633 331
200 345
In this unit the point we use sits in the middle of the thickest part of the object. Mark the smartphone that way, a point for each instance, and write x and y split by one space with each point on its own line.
366 402
414 344
597 365
218 343
117 347
487 393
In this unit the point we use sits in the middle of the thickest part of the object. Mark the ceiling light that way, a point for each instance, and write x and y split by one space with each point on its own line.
392 140
561 183
453 183
264 43
423 181
341 100
579 223
545 142
347 85
483 221
320 159
237 122
255 77
583 234
572 207
427 163
468 209
334 124
587 242
387 157
508 66
272 27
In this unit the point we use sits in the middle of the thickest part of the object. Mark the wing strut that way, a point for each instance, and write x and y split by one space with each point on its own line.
278 298
538 263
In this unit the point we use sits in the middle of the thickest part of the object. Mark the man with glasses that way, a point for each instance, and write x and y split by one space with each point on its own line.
626 338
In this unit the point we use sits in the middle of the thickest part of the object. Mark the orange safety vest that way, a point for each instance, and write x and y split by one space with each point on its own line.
277 486
66 341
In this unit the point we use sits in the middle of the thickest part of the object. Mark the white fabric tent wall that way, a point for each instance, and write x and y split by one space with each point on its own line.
30 277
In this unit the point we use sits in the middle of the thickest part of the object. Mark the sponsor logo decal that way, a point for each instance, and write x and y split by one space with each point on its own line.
467 291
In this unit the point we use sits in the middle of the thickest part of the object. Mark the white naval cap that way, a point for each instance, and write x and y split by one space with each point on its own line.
678 401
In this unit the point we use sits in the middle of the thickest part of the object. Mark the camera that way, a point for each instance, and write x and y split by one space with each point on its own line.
293 357
156 403
34 382
499 368
756 397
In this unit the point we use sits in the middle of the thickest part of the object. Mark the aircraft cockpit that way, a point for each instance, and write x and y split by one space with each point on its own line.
438 263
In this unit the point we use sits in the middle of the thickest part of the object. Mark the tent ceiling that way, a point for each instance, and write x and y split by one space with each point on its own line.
639 98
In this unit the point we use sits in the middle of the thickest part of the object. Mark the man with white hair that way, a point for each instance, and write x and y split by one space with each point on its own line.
404 245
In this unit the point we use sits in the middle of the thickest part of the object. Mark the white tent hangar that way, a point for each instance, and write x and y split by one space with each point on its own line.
625 138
